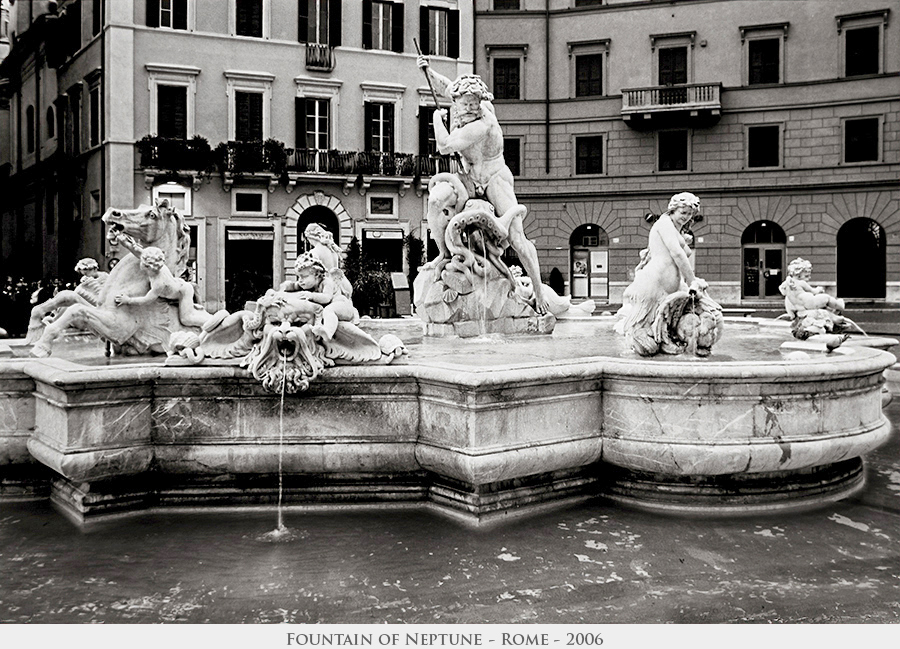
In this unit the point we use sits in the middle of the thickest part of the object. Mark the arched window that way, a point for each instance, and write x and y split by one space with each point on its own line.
324 217
763 253
861 259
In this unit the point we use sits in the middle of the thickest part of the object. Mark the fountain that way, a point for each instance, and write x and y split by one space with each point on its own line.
550 407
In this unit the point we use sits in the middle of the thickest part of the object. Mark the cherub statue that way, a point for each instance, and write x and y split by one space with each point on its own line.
800 296
165 285
328 252
811 310
316 285
87 292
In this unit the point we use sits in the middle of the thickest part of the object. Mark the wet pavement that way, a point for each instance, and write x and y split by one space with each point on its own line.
589 563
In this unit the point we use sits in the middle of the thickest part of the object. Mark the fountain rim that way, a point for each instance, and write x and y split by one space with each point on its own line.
66 374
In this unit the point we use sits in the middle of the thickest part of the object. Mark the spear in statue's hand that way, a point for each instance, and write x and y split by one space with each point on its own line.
437 106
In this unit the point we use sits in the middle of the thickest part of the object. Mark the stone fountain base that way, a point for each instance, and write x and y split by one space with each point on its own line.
482 430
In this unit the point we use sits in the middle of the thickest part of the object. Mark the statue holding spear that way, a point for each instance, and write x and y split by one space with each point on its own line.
474 134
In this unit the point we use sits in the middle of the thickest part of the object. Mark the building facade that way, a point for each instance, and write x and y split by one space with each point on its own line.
255 117
782 116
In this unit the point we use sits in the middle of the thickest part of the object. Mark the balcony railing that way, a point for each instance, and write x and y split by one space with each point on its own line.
175 154
367 163
271 158
319 57
691 96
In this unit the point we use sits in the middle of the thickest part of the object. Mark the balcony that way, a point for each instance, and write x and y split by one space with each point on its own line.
319 58
174 158
690 104
365 166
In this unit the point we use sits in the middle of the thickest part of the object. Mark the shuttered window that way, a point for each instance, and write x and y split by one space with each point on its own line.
248 107
171 111
249 18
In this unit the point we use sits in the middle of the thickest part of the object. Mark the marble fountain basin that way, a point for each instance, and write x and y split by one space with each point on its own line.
481 428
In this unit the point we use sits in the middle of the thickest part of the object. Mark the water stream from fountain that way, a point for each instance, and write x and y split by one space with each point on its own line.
281 533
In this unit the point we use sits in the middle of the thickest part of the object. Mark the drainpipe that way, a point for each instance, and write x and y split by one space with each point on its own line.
547 85
102 125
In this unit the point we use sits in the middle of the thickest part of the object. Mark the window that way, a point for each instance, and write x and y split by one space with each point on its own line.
179 196
168 14
506 78
249 202
763 58
96 17
861 139
588 3
75 112
862 51
673 150
764 61
379 127
672 66
51 122
589 154
427 142
95 116
312 123
320 22
248 18
250 95
171 113
95 203
589 75
512 154
382 25
862 42
71 28
381 205
506 5
244 202
29 129
763 145
439 31
248 109
172 99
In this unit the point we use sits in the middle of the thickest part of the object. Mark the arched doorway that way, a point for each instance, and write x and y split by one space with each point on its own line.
589 270
762 251
861 259
324 217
